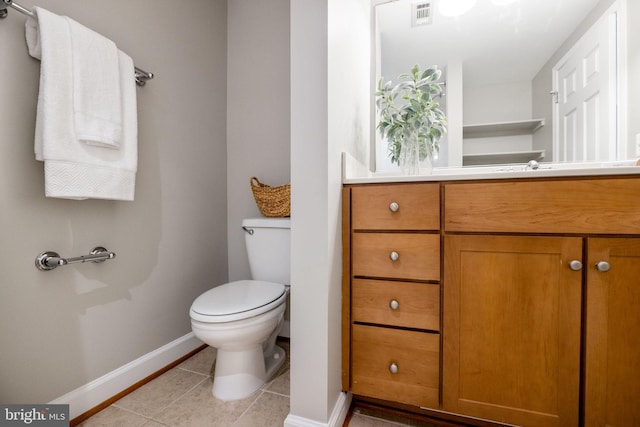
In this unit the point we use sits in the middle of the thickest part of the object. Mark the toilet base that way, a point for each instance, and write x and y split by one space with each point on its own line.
274 361
236 386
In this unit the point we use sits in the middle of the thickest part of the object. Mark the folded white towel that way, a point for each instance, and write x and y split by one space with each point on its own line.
73 169
96 87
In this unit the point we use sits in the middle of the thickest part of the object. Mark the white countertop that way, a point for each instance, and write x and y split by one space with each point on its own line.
354 172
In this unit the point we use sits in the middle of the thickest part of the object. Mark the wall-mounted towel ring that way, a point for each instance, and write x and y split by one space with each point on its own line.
49 260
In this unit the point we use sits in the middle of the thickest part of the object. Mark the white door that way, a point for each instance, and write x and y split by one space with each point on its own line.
585 114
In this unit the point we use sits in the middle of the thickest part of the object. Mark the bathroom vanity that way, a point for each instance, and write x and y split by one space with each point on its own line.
511 299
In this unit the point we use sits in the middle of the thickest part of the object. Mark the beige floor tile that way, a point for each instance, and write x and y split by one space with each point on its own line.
201 362
199 408
280 384
280 381
114 417
376 413
152 397
358 420
269 410
182 397
374 416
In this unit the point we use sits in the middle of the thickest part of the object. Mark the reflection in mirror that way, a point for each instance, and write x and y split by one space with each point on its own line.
526 80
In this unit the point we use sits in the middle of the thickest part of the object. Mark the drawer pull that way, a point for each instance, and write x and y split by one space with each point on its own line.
393 207
575 265
393 368
394 256
394 305
603 266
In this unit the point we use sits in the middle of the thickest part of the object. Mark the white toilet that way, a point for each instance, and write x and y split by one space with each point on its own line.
242 319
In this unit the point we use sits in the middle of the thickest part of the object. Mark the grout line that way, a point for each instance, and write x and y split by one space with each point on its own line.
258 395
276 393
157 422
194 372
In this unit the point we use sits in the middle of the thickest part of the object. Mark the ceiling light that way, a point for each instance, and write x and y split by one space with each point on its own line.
455 7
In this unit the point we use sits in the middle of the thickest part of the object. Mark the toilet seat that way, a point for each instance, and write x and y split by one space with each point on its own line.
237 300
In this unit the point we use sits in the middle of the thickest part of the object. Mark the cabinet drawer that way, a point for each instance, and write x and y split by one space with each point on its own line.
418 207
416 356
418 255
417 305
610 206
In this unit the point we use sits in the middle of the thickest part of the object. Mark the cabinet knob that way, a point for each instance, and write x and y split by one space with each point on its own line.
394 256
575 265
394 305
603 266
393 368
393 207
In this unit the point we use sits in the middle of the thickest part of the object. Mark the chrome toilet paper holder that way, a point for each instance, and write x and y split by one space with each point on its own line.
50 260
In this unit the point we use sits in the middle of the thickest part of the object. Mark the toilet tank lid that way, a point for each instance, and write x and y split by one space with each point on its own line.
267 222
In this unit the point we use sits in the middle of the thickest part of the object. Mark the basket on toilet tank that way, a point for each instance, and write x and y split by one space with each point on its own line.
273 202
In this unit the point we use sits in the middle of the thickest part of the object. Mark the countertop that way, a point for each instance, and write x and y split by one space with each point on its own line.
354 172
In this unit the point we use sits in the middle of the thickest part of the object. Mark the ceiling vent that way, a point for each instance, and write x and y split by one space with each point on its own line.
421 13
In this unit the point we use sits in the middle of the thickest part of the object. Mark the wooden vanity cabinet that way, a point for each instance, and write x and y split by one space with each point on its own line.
536 319
391 312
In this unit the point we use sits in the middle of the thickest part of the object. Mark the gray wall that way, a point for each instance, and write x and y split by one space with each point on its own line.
61 329
258 108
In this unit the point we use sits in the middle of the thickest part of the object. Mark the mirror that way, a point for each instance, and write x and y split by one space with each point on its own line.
514 71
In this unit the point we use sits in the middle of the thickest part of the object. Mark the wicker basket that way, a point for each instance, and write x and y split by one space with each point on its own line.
273 202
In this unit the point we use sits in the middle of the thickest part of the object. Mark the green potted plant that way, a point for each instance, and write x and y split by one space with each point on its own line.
410 118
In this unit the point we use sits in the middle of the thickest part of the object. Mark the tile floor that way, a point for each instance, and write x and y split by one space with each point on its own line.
181 397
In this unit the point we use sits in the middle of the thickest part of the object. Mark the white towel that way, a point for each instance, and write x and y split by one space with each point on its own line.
96 87
73 169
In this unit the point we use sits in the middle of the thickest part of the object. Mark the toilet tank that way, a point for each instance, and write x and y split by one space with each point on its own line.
269 248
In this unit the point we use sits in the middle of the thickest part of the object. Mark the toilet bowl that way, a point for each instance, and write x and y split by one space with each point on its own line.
243 335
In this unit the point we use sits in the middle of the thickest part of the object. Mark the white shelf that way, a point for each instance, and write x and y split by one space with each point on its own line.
484 130
502 158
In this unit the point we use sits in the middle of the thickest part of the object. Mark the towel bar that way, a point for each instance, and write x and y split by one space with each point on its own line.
17 7
49 260
140 75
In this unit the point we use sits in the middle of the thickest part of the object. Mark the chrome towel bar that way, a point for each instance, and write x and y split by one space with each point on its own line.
140 75
49 260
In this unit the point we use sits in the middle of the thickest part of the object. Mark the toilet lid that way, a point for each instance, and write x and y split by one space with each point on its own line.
237 298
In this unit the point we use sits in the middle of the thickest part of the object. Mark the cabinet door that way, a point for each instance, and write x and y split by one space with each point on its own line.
612 370
511 334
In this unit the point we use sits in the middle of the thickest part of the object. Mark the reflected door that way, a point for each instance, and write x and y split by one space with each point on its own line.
585 97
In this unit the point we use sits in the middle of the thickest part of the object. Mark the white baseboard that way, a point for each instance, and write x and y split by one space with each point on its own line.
338 415
97 391
340 410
